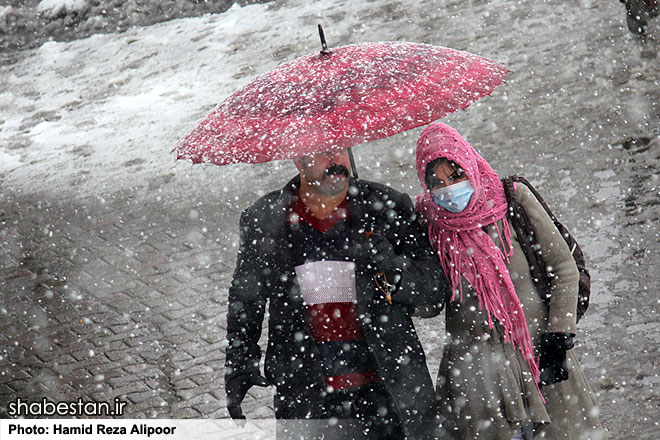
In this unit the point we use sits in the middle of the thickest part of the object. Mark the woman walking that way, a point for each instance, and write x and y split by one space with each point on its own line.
507 352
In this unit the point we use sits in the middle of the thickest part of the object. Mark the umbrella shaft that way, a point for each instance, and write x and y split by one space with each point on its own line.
352 159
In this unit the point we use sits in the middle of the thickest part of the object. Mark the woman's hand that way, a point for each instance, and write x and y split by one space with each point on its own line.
553 357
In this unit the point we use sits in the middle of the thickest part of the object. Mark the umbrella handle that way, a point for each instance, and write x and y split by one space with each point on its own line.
324 45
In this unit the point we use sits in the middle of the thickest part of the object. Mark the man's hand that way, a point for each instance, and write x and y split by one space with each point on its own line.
382 256
236 389
553 357
374 252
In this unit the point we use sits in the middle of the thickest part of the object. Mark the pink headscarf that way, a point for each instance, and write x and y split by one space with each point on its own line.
464 249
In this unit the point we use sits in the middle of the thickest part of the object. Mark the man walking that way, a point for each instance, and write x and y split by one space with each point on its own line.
341 262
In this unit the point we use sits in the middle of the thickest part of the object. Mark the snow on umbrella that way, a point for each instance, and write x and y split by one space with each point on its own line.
340 98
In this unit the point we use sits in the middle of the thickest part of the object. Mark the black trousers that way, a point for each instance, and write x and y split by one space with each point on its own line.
365 413
370 406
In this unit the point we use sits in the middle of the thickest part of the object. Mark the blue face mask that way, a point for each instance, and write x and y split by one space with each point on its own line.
453 198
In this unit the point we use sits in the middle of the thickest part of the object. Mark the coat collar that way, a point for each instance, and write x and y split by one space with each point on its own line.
357 194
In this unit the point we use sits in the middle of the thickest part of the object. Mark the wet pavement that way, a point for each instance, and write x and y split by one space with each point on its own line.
120 289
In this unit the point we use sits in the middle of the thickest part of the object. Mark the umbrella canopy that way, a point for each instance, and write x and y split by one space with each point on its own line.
337 99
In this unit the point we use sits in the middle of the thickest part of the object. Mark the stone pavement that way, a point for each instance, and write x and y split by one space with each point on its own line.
113 299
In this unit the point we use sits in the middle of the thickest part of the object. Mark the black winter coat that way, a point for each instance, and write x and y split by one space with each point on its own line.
264 272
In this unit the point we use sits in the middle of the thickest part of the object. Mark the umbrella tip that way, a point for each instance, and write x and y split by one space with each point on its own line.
324 45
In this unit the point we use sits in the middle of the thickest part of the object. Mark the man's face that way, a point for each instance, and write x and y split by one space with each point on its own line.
326 173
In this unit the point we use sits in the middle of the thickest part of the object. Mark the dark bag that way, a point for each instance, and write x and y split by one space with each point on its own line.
522 225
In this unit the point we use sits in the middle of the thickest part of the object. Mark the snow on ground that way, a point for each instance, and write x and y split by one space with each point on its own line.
115 103
53 8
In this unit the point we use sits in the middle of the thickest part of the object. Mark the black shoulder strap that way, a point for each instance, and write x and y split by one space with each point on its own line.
522 224
537 195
